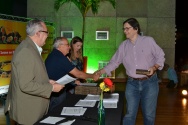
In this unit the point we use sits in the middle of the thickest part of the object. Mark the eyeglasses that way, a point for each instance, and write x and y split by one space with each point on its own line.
44 32
64 44
126 28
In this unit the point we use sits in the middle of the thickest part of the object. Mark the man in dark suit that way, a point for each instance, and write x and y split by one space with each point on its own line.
30 87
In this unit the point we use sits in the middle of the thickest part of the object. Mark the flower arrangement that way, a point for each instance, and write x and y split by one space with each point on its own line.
105 86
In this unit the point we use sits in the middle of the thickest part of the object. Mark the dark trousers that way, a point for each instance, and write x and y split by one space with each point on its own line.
56 99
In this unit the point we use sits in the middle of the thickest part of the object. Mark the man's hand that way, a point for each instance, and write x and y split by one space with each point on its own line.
96 76
52 81
77 82
57 87
152 71
98 72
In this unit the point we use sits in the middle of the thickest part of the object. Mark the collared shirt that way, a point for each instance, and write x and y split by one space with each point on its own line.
172 75
144 54
39 48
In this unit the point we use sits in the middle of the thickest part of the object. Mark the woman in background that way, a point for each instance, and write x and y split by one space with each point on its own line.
76 58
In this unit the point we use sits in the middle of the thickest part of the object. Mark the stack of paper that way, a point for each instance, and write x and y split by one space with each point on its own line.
111 100
86 103
110 104
111 97
73 111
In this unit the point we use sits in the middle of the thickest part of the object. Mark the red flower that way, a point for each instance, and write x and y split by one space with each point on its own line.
108 82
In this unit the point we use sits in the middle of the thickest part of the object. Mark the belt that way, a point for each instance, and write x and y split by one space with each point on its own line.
140 79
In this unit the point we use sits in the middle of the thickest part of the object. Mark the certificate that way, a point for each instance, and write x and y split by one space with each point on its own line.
65 79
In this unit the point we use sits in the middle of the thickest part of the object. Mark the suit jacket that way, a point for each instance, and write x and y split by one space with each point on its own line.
29 90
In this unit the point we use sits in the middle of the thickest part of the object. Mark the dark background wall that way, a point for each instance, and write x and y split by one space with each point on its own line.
181 13
181 48
14 7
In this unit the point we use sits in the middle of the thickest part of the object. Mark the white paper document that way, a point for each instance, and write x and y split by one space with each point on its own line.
92 97
52 120
111 104
73 111
65 79
86 103
88 84
67 123
111 97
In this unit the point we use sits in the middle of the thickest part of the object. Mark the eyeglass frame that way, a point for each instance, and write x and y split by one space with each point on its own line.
65 44
126 28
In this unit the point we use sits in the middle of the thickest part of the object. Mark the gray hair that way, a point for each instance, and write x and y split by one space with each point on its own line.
34 26
58 41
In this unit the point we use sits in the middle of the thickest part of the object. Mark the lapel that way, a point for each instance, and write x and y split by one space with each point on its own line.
35 50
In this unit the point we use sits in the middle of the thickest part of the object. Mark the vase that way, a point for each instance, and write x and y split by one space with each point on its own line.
101 113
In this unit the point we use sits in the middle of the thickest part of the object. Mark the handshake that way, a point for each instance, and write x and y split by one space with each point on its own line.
78 74
97 74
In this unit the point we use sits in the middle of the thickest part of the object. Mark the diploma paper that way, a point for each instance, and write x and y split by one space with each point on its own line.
65 79
86 103
52 120
73 111
92 97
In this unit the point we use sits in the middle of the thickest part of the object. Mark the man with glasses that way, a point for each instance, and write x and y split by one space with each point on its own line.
138 52
30 87
58 65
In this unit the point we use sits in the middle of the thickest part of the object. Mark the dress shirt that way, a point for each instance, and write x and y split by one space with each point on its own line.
39 48
143 54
